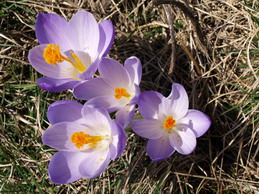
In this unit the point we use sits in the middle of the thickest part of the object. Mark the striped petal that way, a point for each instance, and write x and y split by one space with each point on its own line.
113 73
64 167
148 128
134 68
179 101
83 32
159 149
197 121
149 103
92 88
183 141
94 163
51 28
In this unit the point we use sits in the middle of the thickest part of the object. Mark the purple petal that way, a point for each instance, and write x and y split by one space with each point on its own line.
113 73
92 88
135 99
148 128
125 115
134 68
197 121
97 119
106 37
56 85
83 31
180 101
149 103
64 111
64 167
58 136
118 140
183 141
50 29
108 102
159 149
94 163
90 70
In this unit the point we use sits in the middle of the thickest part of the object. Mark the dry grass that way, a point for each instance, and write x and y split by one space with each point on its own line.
220 73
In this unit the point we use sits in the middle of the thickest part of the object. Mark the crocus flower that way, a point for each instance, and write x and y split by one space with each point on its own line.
168 123
86 137
69 51
117 89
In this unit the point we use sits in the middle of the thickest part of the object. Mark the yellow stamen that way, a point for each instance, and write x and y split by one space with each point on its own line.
80 139
121 92
79 65
52 56
169 123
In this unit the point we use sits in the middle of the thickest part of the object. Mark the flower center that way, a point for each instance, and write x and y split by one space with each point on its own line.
121 92
169 123
52 56
80 139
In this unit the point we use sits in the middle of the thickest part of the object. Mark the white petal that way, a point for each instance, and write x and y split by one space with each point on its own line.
183 140
97 119
95 163
134 68
180 101
197 121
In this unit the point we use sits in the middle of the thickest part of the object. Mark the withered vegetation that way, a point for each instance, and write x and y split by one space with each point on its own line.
210 47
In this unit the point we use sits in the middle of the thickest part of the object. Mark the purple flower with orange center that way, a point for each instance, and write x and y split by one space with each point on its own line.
117 89
69 51
168 123
87 140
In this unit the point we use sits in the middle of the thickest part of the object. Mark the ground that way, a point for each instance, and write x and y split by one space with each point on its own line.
210 47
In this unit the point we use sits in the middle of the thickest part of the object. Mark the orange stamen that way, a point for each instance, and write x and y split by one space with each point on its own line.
121 92
169 123
52 54
80 139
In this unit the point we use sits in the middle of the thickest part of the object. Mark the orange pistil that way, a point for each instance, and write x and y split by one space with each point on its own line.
52 56
121 92
80 139
169 123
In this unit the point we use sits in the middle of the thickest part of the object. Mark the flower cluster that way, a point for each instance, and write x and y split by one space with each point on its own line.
87 138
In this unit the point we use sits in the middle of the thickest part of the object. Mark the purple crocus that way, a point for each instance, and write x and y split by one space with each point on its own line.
117 89
86 137
168 123
69 51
